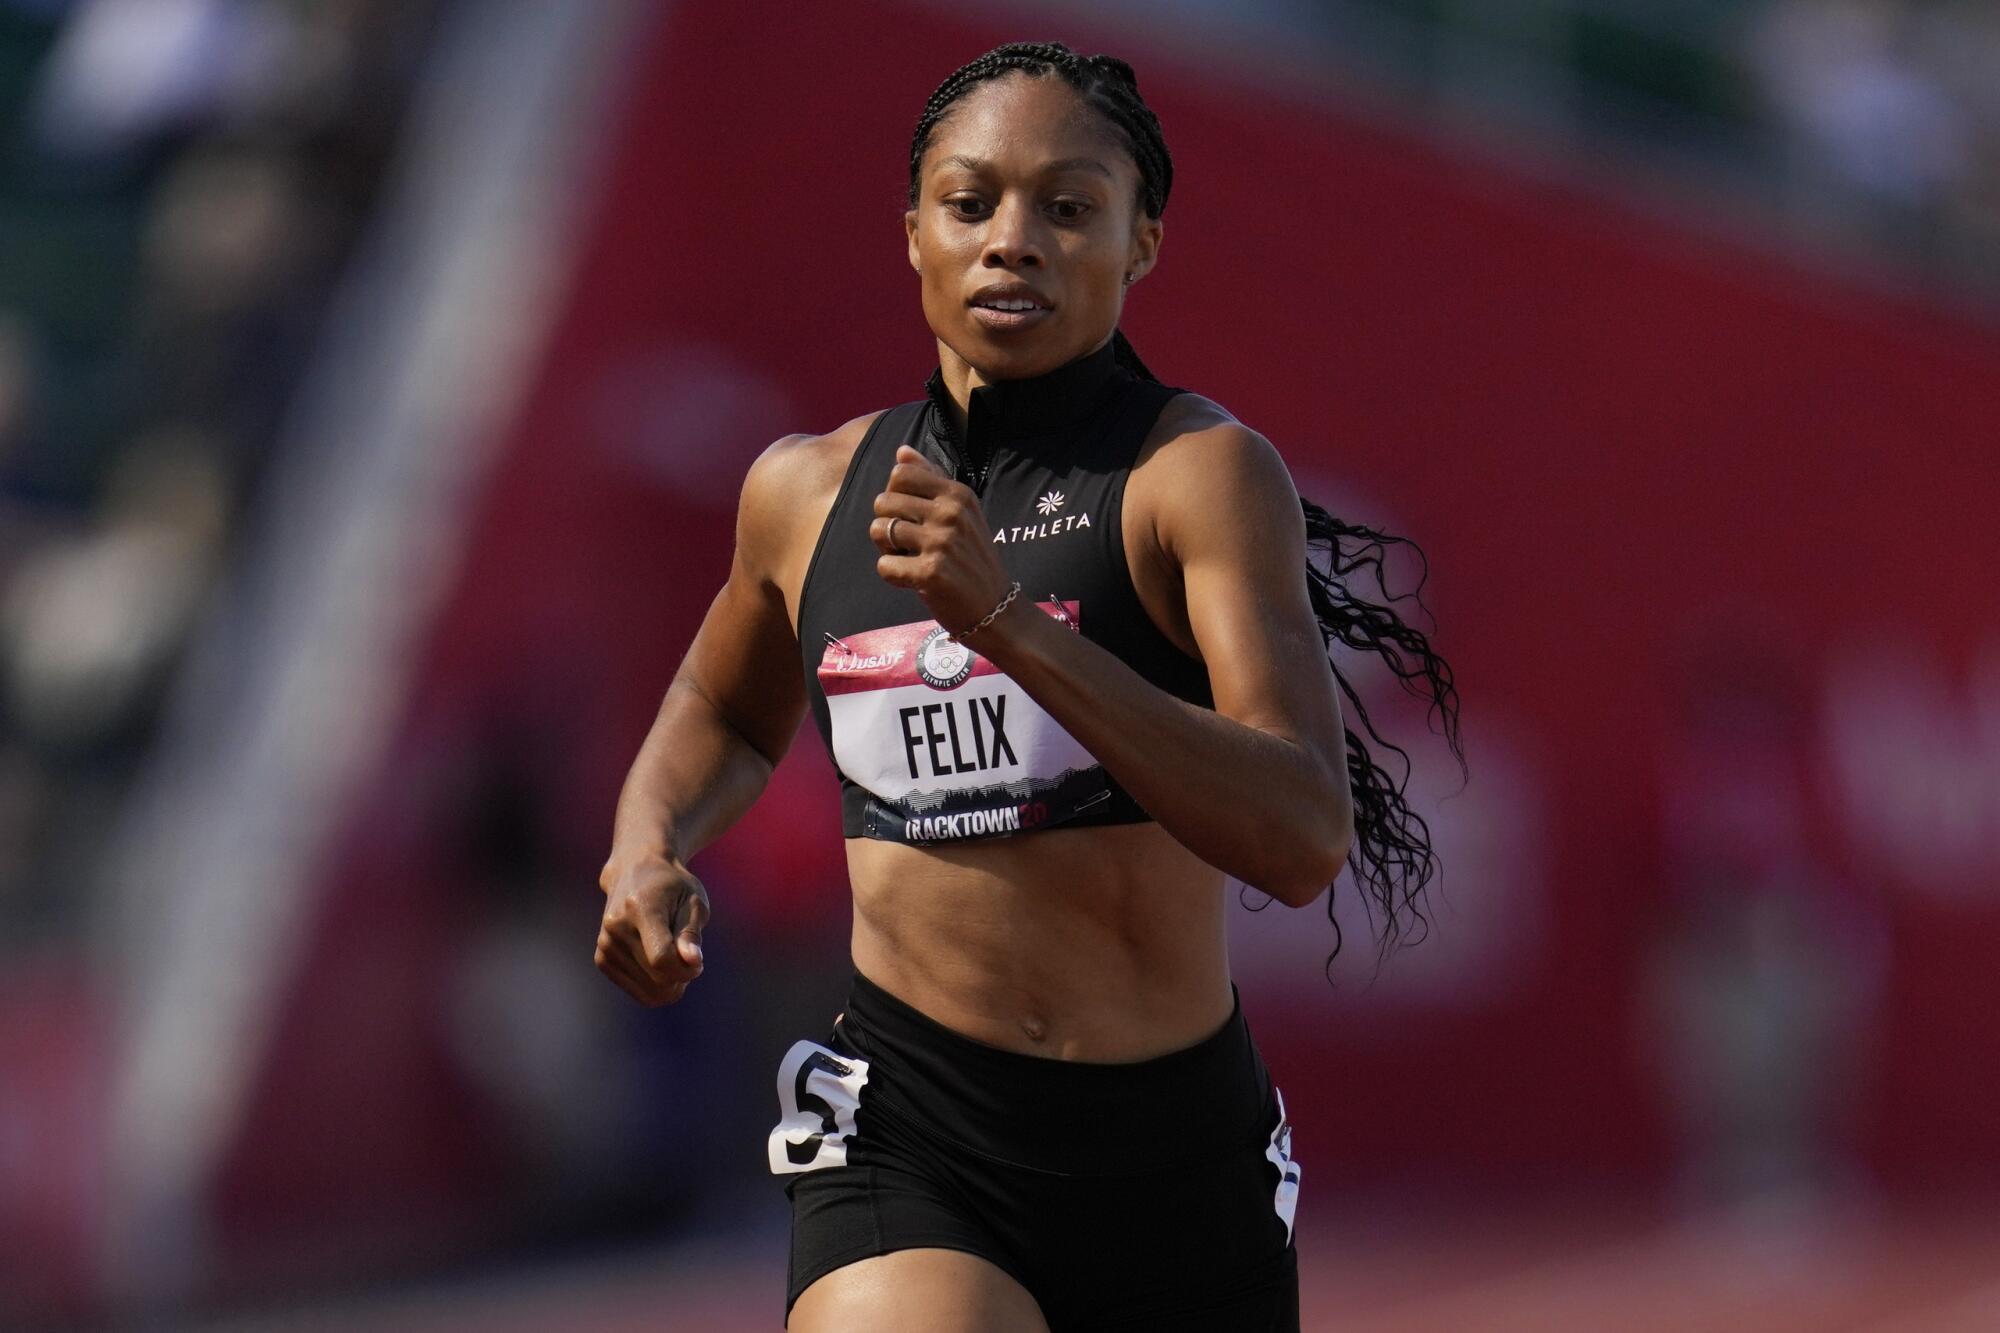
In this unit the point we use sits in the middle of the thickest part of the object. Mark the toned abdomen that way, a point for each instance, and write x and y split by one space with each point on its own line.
1105 943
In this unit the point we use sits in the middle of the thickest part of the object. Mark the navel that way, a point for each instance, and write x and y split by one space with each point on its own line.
1035 1028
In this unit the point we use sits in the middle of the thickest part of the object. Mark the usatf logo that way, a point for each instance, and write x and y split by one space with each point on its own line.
1049 503
942 664
852 661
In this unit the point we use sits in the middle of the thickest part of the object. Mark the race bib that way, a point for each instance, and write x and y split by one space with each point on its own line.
945 743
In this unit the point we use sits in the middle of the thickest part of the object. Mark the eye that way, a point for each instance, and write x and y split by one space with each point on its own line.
1068 210
967 206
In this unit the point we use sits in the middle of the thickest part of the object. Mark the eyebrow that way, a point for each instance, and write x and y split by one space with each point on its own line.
1060 164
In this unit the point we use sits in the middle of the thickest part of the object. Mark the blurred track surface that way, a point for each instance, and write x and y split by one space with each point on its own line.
1564 1269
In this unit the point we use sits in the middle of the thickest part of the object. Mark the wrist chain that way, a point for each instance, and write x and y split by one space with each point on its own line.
1012 593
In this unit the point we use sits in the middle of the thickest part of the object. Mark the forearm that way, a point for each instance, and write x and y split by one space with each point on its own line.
694 776
1252 803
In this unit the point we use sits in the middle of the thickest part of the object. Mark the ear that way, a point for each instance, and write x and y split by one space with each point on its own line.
910 234
1146 235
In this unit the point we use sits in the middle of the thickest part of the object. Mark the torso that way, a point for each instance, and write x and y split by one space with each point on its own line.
1096 943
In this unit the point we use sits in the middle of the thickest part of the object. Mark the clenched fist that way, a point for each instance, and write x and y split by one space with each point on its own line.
943 548
650 942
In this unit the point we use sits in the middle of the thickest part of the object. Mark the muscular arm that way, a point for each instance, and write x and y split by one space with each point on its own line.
734 704
726 720
695 775
1257 787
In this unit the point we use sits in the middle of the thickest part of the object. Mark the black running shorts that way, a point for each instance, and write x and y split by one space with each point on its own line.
1157 1194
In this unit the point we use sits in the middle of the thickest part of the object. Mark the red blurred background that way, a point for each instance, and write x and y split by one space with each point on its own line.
1709 522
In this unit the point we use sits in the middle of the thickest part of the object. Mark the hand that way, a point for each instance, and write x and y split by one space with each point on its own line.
946 548
650 942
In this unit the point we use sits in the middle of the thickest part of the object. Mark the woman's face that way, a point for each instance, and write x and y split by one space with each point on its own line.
1026 198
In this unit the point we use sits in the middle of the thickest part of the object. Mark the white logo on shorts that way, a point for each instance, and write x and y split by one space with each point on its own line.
819 1091
1279 1154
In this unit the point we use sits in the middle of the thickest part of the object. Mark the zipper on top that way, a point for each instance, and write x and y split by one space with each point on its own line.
967 465
978 474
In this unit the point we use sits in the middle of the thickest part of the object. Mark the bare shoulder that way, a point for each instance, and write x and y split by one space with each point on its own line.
789 490
1197 434
797 469
1201 467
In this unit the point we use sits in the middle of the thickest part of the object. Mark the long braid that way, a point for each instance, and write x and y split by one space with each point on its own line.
1392 858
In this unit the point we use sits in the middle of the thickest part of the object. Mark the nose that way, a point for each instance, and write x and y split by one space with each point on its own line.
1012 238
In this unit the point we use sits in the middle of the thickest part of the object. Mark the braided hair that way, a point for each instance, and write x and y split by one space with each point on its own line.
1391 857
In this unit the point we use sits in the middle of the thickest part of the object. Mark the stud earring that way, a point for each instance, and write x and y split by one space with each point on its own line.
1128 279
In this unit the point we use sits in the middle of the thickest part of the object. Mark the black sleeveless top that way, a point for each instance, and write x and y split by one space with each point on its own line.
933 742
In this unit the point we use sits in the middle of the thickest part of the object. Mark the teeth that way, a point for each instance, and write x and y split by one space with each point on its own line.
1010 305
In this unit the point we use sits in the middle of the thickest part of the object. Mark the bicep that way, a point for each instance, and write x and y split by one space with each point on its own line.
1237 531
744 661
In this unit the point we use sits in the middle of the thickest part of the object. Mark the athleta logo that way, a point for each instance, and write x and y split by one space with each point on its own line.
1026 532
941 663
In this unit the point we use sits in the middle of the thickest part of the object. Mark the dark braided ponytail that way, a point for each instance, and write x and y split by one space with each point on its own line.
1392 859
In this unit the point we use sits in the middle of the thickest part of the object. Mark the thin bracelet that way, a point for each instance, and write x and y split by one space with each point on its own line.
1012 593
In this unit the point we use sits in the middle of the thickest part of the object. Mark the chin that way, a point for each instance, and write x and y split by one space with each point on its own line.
1017 359
1013 365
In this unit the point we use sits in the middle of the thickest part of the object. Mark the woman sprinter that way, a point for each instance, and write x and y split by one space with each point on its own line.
1058 628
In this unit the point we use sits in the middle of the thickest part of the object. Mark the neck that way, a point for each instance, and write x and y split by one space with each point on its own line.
960 377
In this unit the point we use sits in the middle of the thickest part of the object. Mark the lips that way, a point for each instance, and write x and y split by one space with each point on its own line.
1010 305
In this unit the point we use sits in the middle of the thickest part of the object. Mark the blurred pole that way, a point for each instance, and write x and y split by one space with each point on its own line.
297 679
